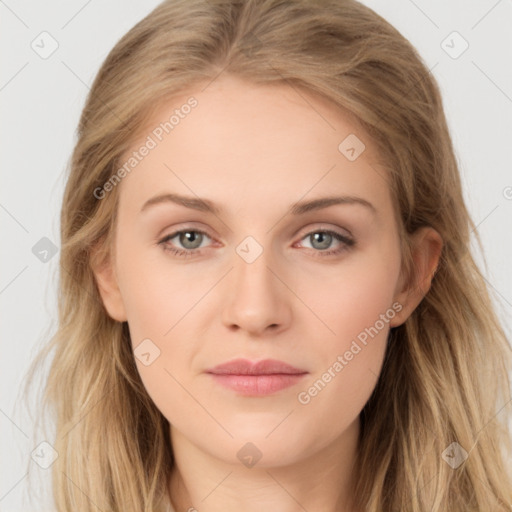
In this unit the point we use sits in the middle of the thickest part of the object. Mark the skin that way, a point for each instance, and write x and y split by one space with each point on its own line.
255 150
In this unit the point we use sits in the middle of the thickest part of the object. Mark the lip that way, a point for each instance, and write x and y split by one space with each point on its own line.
246 367
256 378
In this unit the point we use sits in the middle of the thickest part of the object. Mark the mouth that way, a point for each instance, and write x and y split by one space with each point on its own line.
256 379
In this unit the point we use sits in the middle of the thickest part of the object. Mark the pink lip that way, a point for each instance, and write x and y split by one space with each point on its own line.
256 379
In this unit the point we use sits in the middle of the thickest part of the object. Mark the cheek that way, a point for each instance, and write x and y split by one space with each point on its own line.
153 292
357 307
352 297
158 305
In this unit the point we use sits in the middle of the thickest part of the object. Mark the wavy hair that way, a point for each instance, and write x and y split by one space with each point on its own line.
446 374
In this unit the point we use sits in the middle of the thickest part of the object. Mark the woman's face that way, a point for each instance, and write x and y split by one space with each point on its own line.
265 268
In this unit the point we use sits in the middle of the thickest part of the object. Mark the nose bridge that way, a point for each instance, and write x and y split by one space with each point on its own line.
252 264
256 298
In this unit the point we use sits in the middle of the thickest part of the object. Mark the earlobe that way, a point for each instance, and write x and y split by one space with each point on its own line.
107 283
426 249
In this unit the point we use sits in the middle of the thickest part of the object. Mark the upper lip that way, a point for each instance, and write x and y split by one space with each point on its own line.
246 367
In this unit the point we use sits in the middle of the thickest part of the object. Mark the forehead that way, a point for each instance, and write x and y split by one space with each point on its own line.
252 145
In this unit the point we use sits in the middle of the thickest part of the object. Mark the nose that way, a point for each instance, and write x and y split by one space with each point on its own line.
258 297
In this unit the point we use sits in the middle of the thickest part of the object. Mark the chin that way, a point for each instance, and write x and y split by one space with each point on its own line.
268 445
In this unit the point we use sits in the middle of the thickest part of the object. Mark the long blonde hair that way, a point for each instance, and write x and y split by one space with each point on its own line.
446 374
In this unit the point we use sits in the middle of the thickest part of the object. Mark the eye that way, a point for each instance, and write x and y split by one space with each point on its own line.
190 239
322 239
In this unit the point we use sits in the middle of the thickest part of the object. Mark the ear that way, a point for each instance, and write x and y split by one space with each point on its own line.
106 279
426 247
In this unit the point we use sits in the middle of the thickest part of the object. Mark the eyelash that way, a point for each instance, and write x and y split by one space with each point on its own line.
186 253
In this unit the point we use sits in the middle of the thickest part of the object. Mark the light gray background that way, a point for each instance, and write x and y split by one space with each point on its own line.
41 100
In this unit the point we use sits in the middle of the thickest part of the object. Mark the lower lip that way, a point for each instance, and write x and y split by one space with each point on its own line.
257 385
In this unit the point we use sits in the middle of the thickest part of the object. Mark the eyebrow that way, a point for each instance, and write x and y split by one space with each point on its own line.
298 208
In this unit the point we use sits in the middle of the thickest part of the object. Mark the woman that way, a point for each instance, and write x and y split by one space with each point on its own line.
268 298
